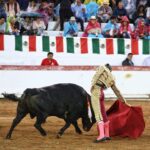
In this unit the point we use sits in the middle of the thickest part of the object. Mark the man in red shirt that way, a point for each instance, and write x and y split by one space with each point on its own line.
49 61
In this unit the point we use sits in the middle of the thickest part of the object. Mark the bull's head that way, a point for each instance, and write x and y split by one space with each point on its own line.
88 118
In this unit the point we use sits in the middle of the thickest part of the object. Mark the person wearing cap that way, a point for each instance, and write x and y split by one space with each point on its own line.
104 12
71 28
93 28
111 28
101 80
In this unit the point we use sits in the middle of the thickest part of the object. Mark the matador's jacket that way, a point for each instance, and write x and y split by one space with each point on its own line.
101 80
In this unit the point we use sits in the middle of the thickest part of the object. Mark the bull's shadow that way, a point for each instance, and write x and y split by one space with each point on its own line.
67 101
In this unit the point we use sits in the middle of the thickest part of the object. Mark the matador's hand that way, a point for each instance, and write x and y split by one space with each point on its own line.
127 104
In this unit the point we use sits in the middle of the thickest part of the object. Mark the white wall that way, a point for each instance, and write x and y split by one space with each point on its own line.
134 83
35 58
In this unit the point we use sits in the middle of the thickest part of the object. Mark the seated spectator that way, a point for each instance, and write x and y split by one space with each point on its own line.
38 26
142 2
120 11
146 61
125 29
12 8
49 61
128 61
130 6
50 11
104 12
71 27
26 26
111 28
113 4
93 28
141 31
13 26
140 13
43 10
33 6
91 9
79 11
2 25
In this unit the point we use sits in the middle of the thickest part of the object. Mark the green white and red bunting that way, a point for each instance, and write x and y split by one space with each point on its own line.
77 45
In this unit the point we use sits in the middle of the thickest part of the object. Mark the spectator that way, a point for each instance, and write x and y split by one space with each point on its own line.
49 61
65 11
26 26
120 11
104 12
91 9
2 7
128 61
141 31
141 2
38 26
12 8
71 27
125 29
33 6
140 13
113 4
43 10
130 6
111 28
51 13
23 4
146 61
93 28
2 25
13 27
99 2
79 11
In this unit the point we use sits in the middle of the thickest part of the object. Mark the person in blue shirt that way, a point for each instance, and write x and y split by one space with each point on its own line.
79 11
111 28
71 27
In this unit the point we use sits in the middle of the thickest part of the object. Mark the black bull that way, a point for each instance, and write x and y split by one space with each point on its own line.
67 101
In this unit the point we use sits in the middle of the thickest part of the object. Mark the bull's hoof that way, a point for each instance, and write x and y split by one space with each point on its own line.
43 133
58 136
79 132
8 136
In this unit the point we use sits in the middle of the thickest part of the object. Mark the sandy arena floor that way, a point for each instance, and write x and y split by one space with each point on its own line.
26 137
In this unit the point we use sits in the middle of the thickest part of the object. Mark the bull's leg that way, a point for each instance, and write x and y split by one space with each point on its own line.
18 118
39 121
62 130
75 124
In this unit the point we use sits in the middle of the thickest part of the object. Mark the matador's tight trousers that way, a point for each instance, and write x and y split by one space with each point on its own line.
97 98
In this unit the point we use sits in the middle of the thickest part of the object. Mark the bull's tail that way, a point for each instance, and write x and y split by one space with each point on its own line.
12 97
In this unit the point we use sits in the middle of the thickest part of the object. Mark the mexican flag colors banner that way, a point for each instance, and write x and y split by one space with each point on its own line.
73 45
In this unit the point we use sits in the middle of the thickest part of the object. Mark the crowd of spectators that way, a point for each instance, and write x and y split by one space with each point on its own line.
29 17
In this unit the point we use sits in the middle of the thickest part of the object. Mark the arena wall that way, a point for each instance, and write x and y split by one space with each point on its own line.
132 81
